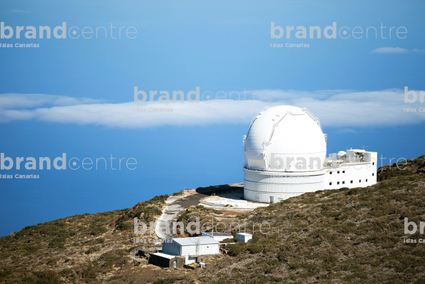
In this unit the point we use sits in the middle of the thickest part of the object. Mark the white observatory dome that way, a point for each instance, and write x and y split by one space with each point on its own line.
285 131
284 151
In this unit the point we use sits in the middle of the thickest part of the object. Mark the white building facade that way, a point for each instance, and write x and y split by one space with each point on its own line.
353 168
191 248
285 156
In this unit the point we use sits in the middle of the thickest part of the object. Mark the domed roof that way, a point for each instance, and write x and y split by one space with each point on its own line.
284 132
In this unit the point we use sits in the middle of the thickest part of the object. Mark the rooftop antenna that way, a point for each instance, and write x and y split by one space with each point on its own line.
198 241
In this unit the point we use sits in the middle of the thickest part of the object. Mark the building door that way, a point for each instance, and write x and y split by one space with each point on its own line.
271 199
175 263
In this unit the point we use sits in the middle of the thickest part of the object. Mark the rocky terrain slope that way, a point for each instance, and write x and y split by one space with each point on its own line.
332 236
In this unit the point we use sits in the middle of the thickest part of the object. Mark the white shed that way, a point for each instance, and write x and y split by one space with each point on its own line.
243 237
190 248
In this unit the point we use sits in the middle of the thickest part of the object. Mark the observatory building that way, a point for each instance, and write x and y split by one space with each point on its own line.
285 156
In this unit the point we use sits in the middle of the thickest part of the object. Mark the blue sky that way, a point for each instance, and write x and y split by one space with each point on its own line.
75 96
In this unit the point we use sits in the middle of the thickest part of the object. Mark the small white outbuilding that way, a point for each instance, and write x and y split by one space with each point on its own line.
243 237
191 248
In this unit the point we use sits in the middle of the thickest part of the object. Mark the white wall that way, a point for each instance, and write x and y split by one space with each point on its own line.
260 186
175 248
203 249
264 186
208 249
351 176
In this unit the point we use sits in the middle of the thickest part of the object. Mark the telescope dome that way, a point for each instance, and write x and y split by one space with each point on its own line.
282 133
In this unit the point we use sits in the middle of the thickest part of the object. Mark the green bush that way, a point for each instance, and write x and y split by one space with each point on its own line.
31 248
97 230
57 243
47 277
254 239
109 261
229 240
165 281
100 240
282 256
159 198
235 250
90 272
255 248
124 226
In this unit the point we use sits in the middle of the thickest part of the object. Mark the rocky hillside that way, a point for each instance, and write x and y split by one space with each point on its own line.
333 236
88 248
355 235
402 168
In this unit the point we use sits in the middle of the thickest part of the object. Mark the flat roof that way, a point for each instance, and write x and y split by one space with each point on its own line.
164 255
244 234
217 234
194 241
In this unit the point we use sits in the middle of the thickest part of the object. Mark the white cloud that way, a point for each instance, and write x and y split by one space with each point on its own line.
334 108
387 50
123 114
8 101
10 115
418 50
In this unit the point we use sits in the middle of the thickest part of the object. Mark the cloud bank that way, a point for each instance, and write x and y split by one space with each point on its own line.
8 101
334 108
395 50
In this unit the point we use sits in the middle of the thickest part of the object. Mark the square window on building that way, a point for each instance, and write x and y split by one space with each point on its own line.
366 180
330 173
373 174
330 183
337 172
343 182
337 182
373 163
360 180
351 182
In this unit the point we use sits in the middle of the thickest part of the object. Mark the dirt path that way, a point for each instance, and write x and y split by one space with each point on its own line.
172 209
